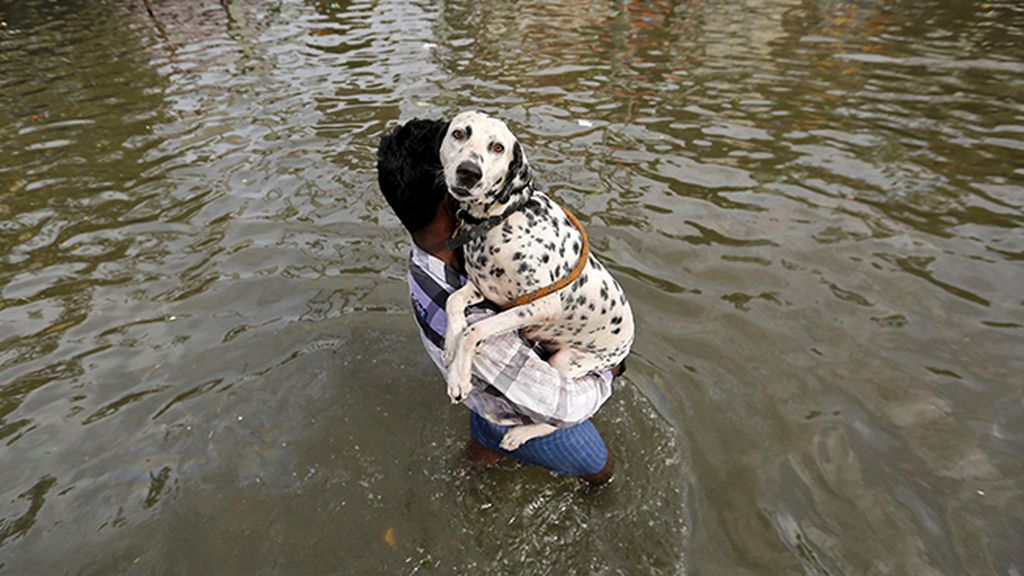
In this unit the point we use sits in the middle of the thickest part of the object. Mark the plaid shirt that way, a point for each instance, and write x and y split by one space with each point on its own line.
511 384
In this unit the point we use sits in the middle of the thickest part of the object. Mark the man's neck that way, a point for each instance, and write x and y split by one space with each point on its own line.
431 239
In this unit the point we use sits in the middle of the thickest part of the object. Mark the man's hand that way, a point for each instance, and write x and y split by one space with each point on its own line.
619 369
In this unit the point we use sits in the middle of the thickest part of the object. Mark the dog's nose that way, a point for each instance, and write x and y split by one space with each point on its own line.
468 174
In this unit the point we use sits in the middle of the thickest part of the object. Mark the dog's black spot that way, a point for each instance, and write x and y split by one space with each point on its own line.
616 319
542 242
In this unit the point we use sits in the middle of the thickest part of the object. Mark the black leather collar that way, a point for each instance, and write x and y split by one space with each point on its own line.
471 227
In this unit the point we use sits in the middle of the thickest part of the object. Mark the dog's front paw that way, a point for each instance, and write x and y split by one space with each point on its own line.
458 391
459 378
514 438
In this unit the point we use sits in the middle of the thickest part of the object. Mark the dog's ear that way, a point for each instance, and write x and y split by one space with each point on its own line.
519 168
517 176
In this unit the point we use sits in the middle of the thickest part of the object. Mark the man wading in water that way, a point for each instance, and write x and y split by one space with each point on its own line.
511 382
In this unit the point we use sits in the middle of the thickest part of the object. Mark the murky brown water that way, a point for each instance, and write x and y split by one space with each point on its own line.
208 364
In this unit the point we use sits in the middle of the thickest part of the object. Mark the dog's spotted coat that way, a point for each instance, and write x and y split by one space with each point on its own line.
588 325
537 246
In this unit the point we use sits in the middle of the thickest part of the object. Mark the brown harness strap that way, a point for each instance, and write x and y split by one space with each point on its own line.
562 282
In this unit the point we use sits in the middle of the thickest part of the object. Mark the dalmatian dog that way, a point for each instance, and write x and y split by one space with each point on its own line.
516 240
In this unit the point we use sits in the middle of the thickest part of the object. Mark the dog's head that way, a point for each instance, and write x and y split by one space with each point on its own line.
483 162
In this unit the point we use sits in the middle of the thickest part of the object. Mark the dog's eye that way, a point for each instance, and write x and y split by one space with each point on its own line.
497 148
458 134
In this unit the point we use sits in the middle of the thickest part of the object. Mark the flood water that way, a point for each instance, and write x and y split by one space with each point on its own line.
208 363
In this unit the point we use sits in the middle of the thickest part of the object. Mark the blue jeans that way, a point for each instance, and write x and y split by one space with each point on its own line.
575 451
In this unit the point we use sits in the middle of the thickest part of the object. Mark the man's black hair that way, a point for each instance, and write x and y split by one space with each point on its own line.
409 171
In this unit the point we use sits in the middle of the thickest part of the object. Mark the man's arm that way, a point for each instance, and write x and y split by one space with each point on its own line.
513 368
526 385
510 381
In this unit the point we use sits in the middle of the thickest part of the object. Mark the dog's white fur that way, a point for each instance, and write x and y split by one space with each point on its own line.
567 323
476 147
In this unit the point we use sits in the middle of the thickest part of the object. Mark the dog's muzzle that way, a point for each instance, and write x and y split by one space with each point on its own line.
468 174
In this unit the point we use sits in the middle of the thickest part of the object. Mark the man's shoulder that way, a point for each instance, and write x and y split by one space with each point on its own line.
423 266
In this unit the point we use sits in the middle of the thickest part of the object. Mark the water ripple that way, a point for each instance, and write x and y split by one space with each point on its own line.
815 208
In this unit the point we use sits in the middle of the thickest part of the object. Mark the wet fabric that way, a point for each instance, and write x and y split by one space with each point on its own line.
511 383
575 451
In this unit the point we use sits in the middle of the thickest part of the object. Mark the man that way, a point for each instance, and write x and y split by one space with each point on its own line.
512 384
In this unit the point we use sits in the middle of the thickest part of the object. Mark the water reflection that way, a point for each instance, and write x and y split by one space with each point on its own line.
205 349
